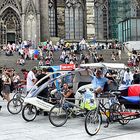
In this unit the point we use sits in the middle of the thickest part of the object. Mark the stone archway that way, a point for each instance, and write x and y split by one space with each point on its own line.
12 23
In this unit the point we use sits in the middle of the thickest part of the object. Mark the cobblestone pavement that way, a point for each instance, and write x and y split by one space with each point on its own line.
13 127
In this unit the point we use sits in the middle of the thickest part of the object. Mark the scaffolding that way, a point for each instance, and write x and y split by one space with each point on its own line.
120 10
117 12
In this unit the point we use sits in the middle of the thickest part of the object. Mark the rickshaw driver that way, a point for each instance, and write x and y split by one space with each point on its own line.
99 82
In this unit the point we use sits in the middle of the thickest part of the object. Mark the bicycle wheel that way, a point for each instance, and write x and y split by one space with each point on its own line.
29 112
114 112
93 122
14 106
58 116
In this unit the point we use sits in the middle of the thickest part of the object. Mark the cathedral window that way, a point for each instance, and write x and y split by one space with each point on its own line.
9 2
74 27
52 18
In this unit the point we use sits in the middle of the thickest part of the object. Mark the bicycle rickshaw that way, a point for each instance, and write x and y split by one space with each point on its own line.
15 105
33 102
73 107
124 106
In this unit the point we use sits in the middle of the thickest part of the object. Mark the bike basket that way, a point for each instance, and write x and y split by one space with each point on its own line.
88 101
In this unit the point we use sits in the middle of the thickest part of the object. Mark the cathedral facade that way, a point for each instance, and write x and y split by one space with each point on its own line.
38 20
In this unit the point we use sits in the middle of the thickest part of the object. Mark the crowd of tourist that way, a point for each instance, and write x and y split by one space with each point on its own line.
70 53
134 58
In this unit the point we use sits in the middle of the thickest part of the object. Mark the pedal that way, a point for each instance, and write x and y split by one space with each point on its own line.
107 123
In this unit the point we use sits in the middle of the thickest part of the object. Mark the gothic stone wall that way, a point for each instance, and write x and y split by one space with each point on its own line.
61 18
90 19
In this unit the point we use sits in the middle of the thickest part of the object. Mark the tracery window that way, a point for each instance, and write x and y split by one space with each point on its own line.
104 10
9 2
31 27
30 21
52 17
74 23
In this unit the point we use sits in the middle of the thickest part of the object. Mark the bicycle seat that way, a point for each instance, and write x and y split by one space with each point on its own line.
82 91
116 93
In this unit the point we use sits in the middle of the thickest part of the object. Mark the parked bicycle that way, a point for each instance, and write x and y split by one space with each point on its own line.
14 106
115 112
66 108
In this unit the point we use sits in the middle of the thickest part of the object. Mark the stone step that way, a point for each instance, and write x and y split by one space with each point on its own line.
107 56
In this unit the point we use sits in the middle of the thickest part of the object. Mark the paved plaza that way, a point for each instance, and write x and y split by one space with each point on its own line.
13 127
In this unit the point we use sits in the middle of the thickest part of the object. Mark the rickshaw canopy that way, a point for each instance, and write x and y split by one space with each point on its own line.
105 65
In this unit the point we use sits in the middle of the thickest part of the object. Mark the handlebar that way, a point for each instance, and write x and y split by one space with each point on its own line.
115 92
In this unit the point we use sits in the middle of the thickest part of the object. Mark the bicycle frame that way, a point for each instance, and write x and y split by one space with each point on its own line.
63 101
101 109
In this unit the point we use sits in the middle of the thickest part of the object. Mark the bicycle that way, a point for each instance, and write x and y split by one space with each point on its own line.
20 92
65 109
93 118
14 106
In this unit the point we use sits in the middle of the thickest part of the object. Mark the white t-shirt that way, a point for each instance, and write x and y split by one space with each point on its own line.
30 78
128 76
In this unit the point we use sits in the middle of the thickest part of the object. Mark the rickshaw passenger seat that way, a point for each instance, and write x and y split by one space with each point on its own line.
133 99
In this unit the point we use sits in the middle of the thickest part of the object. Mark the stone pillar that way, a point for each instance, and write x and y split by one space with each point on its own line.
23 19
61 19
38 21
44 23
23 26
90 19
38 39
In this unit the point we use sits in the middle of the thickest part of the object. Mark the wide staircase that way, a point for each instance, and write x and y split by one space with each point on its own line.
11 61
107 56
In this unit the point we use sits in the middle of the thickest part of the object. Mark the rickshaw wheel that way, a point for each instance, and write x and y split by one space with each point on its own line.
93 122
122 110
58 115
29 112
14 106
114 113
